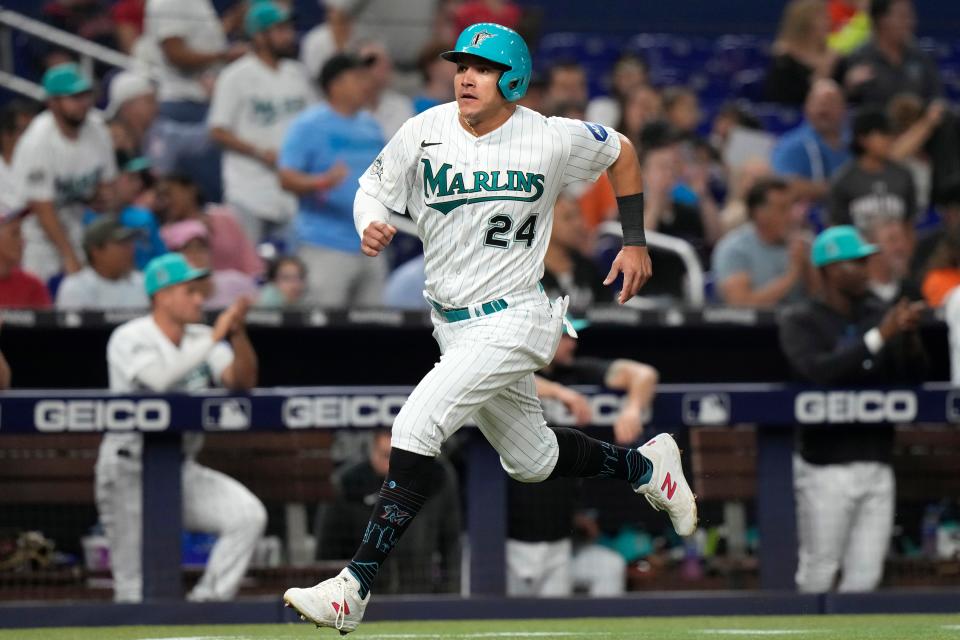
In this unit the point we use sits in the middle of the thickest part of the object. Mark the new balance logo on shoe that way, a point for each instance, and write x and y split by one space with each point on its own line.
668 486
346 607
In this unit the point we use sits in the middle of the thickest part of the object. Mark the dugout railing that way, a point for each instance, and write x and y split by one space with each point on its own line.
295 412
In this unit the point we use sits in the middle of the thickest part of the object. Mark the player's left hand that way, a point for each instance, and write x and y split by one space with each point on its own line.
635 264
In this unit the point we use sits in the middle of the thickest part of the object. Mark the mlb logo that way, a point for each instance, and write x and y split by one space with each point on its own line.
226 414
706 409
598 132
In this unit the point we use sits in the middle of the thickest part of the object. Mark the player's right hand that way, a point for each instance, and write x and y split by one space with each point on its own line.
376 237
231 319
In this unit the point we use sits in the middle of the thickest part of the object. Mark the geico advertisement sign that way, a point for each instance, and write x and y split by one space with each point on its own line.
54 416
813 407
380 411
341 411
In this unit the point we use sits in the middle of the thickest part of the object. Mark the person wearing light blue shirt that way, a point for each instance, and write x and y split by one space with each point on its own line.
325 151
809 155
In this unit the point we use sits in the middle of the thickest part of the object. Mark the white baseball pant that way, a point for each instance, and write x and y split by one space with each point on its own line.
485 373
212 503
539 569
844 522
552 569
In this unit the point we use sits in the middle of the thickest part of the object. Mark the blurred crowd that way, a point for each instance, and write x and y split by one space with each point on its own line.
240 141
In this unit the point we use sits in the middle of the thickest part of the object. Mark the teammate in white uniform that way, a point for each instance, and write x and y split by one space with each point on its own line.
254 101
167 351
63 160
480 177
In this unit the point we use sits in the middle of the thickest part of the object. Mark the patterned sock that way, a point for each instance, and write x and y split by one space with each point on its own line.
584 457
402 495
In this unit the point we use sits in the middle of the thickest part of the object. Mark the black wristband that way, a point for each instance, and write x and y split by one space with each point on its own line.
631 220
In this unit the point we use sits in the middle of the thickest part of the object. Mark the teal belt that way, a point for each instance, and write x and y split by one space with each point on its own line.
463 313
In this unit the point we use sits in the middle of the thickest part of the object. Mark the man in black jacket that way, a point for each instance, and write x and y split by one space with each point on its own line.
843 480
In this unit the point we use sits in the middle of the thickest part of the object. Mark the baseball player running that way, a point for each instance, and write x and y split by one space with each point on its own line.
479 177
167 351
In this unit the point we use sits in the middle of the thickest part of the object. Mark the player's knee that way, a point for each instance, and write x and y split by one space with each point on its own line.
257 518
425 440
529 474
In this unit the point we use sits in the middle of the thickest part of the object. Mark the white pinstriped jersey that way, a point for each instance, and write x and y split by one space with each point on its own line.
484 206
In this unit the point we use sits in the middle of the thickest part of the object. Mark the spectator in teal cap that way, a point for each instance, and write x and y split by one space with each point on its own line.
846 337
254 101
63 164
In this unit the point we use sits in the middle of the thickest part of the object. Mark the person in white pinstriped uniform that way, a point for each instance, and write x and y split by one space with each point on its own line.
479 177
162 352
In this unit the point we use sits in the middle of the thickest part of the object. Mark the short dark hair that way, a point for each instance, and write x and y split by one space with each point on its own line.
867 121
758 193
656 135
185 180
273 267
880 8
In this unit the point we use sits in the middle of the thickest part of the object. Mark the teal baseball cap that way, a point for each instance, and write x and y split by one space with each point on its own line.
263 15
838 244
65 80
169 269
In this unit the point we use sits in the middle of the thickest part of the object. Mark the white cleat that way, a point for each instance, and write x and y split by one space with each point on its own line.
333 603
668 489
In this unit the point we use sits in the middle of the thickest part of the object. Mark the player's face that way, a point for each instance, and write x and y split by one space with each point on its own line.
476 90
183 302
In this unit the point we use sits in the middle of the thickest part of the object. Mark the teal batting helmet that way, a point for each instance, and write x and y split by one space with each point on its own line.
499 45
